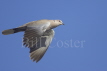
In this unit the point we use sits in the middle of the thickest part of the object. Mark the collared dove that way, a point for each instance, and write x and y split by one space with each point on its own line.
38 36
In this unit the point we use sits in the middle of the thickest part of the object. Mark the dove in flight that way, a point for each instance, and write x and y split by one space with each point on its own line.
37 36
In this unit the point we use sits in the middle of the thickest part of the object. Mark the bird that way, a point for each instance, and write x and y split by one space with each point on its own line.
37 36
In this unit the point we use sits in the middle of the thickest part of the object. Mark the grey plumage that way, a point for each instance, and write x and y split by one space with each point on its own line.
38 36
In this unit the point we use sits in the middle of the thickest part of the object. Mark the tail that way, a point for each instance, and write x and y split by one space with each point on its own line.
14 30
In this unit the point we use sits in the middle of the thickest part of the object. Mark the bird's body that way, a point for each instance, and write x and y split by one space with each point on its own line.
38 35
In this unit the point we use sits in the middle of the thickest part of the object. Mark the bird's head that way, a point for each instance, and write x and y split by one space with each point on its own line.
55 23
58 22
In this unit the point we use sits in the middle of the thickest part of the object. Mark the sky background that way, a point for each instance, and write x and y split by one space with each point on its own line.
85 21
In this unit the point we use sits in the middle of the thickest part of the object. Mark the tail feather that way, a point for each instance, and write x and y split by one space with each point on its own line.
14 30
7 32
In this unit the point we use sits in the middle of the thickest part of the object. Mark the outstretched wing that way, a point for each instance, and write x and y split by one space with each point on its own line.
39 49
33 33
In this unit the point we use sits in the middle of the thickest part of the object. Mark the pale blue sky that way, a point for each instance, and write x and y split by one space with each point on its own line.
85 20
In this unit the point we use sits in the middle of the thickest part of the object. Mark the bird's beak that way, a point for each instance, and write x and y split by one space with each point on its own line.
62 23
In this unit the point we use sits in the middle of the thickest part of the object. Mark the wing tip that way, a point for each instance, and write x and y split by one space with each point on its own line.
38 54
